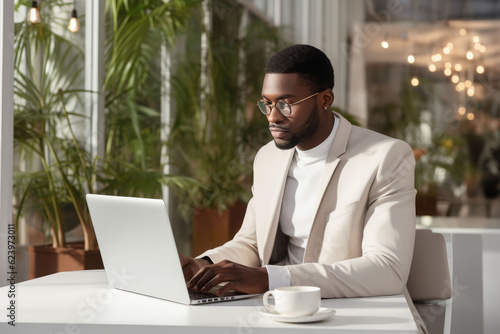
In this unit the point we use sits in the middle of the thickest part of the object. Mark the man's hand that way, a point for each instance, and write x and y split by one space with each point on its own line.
191 266
236 276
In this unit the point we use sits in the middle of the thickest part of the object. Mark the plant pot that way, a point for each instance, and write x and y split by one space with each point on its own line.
212 228
45 259
426 204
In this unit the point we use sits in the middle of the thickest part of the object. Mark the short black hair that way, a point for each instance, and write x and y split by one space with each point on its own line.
309 62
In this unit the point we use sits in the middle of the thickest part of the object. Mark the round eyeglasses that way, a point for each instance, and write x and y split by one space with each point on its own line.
284 108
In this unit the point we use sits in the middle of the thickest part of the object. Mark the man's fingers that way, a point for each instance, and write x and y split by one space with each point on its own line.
184 260
190 266
210 276
207 278
236 277
193 282
227 278
231 285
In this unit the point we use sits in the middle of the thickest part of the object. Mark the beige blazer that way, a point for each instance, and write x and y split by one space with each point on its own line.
362 236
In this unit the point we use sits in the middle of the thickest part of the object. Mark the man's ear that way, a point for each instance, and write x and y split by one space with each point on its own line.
328 98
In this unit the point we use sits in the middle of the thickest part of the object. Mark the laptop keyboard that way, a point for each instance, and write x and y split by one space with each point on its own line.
199 295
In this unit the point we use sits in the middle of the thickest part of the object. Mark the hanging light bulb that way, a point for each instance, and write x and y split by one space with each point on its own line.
33 13
470 55
74 26
385 44
411 59
432 67
414 81
480 69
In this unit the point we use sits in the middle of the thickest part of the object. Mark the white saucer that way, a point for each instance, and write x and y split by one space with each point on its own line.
322 314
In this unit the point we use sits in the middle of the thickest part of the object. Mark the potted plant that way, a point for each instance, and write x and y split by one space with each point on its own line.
59 171
217 129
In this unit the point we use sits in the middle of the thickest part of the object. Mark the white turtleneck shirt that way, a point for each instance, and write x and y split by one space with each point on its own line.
299 200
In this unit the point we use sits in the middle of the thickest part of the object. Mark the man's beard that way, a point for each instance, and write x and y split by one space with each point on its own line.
305 132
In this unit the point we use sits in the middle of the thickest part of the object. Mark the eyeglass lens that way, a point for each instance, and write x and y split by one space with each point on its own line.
281 105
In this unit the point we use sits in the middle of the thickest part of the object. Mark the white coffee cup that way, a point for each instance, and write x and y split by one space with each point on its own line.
294 300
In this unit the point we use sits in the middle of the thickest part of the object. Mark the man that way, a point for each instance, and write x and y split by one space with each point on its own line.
333 204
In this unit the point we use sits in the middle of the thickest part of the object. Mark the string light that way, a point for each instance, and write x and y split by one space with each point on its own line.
74 25
471 91
33 13
455 66
385 44
437 57
460 87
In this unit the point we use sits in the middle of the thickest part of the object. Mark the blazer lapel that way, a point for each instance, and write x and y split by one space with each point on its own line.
282 160
338 148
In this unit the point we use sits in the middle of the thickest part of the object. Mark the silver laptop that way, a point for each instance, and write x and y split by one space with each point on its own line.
138 249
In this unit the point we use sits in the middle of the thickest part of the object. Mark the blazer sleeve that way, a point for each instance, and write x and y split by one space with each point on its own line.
387 241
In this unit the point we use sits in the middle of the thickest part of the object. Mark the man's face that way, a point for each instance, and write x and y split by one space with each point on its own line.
301 127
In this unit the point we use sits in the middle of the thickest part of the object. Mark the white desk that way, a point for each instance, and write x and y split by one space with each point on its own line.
80 302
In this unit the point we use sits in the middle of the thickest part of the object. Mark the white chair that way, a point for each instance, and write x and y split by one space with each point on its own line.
429 283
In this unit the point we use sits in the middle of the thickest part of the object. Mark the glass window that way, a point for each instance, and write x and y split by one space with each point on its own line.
432 79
